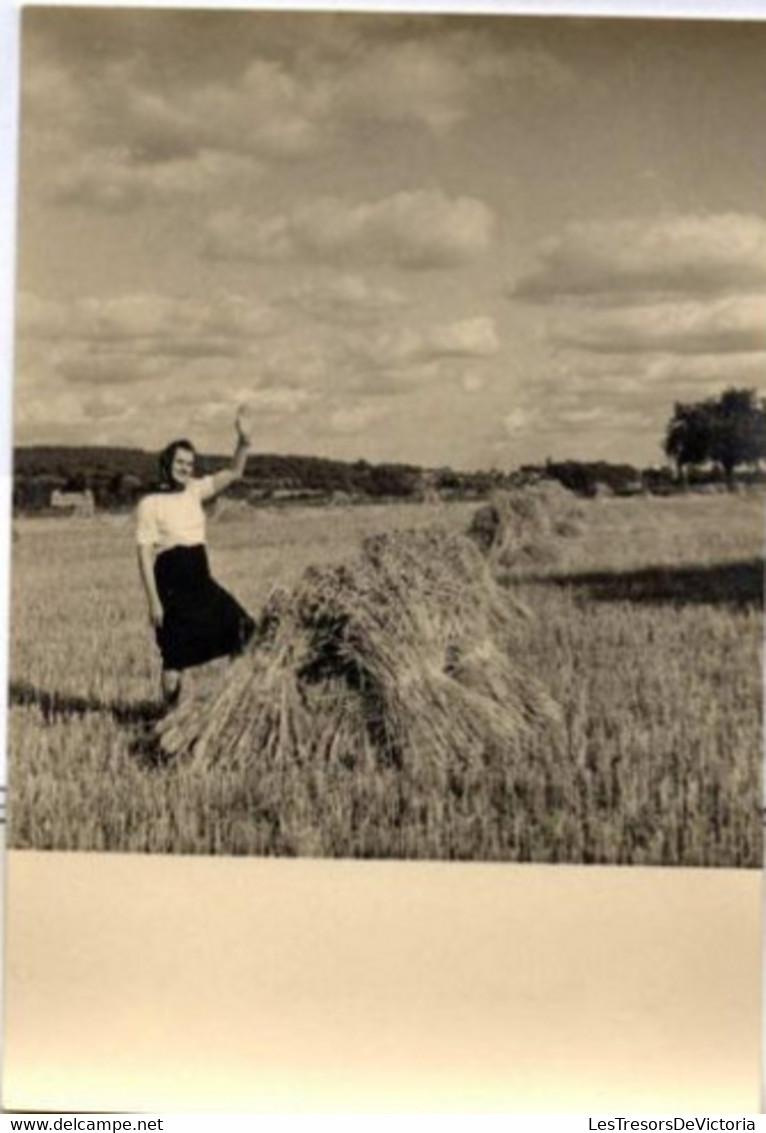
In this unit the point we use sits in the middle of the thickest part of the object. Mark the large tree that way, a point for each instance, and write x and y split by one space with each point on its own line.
728 430
688 435
739 430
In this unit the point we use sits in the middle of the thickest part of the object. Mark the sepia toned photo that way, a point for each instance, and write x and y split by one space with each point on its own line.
389 437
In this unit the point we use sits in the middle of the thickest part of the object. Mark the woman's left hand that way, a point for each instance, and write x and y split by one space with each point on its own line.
242 425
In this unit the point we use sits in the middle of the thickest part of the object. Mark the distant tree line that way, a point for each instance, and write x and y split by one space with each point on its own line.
585 478
707 441
119 477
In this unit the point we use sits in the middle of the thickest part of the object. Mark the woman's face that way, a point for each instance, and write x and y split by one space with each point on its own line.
182 468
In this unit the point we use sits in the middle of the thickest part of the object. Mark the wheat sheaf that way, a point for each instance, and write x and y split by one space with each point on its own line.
407 655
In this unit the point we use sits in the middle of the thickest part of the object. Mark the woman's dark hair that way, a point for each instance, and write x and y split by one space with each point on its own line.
166 458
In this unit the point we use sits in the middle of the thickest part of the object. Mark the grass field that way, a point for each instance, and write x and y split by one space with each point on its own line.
648 632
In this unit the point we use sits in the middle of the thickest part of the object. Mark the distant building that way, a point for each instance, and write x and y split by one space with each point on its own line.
339 498
76 503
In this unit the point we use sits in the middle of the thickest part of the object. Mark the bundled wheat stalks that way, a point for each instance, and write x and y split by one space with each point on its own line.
524 527
404 656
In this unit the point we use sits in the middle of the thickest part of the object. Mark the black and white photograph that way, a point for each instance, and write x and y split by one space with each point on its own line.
389 437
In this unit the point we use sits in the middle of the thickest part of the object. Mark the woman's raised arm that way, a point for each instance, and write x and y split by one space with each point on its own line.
222 480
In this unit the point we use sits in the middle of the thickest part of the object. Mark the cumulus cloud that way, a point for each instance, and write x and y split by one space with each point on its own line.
53 101
146 321
135 362
637 306
50 412
92 366
114 180
108 138
435 82
108 405
635 374
138 112
560 418
270 405
471 381
344 298
466 338
138 338
635 260
419 230
261 110
403 359
729 325
58 405
137 365
520 420
351 420
273 401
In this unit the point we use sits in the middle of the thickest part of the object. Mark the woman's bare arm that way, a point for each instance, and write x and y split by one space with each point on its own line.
222 480
146 570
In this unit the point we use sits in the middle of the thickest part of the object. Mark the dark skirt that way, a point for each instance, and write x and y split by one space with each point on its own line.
200 620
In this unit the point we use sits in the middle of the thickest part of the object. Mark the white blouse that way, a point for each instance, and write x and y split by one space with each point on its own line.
174 519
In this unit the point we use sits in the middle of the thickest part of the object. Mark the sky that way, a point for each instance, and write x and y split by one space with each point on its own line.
473 241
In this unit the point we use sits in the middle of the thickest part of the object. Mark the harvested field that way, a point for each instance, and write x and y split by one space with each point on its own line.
646 634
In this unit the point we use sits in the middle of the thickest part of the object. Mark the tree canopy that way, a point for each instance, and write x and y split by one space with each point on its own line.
728 430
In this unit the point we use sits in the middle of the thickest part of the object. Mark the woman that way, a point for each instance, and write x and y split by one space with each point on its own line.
194 618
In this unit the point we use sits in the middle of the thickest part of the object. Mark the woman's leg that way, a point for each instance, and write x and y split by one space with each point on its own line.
171 687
